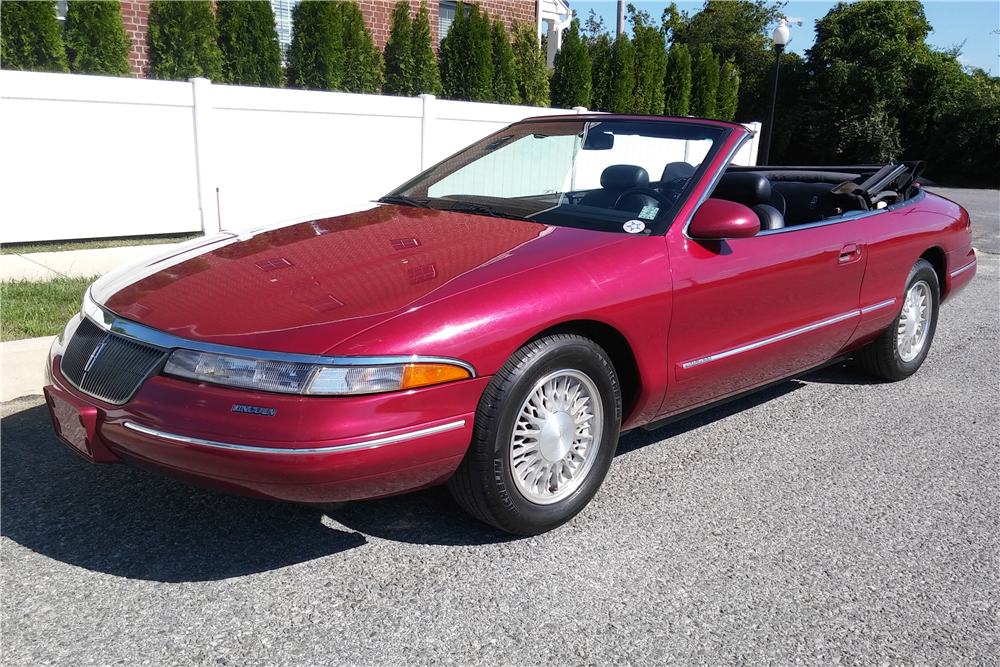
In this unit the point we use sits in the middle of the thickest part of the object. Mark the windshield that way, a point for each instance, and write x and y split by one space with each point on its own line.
619 175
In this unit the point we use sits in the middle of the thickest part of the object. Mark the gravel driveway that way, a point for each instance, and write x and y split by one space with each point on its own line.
828 520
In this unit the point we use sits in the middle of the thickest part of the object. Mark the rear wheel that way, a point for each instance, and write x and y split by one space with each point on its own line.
545 435
900 350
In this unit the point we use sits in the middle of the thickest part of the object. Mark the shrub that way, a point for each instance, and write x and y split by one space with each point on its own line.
650 64
704 82
182 40
530 71
29 38
248 39
601 54
571 83
466 56
504 79
316 54
426 76
399 52
481 82
677 83
362 60
453 55
96 41
622 76
727 98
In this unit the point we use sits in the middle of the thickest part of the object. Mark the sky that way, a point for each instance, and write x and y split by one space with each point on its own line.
974 22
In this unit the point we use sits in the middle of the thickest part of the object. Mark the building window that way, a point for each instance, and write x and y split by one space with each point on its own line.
61 8
283 23
446 16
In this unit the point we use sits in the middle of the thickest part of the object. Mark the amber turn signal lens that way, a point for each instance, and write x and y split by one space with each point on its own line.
422 375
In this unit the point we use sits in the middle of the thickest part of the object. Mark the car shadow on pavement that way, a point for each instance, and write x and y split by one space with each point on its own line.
639 438
845 372
127 522
430 516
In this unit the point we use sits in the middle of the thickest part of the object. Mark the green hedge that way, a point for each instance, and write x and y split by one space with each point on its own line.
316 55
182 40
96 41
29 37
248 40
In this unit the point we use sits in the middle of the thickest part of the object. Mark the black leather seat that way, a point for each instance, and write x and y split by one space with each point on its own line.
675 171
615 180
753 190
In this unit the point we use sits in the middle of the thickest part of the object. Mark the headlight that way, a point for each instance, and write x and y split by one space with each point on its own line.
316 379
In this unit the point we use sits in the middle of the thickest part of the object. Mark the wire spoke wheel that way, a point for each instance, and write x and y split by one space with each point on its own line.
911 332
556 436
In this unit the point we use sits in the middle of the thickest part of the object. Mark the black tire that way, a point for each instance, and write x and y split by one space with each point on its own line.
485 484
883 357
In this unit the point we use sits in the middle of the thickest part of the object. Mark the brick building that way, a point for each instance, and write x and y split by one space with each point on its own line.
550 17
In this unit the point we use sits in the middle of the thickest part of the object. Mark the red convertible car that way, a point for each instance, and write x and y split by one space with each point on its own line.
499 320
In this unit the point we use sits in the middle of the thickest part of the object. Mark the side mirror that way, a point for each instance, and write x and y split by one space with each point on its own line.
718 219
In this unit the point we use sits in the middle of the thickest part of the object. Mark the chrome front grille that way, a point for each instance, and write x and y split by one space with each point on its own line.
108 366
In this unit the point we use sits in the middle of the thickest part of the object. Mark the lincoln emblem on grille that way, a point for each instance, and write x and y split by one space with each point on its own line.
93 357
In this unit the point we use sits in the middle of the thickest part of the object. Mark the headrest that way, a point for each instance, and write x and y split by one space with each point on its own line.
743 187
675 171
623 177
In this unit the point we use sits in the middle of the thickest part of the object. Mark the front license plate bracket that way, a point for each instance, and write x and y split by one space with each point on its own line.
75 423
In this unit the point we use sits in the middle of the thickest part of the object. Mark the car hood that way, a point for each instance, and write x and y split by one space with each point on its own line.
307 287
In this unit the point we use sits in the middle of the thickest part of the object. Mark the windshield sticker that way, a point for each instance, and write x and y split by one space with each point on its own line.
649 212
634 226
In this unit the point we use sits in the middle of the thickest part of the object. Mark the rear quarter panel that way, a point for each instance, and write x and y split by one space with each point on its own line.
896 239
624 285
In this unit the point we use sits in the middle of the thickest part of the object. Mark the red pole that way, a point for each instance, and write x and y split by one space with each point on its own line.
218 208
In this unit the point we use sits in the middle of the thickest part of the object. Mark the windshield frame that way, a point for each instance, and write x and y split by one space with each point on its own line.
418 187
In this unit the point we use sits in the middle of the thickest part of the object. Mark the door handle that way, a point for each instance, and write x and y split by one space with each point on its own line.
850 252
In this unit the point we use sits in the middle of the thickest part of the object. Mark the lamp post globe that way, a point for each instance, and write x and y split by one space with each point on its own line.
780 34
780 37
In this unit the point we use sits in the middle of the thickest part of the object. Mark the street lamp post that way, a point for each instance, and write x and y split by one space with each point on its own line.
780 37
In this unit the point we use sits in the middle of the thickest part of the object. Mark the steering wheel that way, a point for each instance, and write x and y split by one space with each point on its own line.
649 192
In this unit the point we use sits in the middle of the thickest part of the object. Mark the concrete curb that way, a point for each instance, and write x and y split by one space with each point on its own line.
22 369
41 266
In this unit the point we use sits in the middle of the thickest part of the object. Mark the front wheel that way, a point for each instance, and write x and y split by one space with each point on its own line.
900 350
545 435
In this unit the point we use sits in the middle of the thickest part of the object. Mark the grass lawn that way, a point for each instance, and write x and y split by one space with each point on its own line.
31 309
56 246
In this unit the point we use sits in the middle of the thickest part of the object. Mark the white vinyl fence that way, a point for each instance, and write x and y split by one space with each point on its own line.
90 157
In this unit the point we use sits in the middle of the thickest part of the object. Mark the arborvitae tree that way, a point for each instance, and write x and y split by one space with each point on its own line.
453 55
426 76
362 59
704 82
399 52
504 79
677 83
728 96
182 39
248 39
622 76
466 56
481 81
316 55
29 37
571 80
96 41
650 63
601 54
529 66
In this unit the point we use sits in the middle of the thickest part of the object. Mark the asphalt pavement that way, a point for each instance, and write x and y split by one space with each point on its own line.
828 520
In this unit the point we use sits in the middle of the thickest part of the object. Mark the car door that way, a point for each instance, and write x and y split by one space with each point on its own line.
752 310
